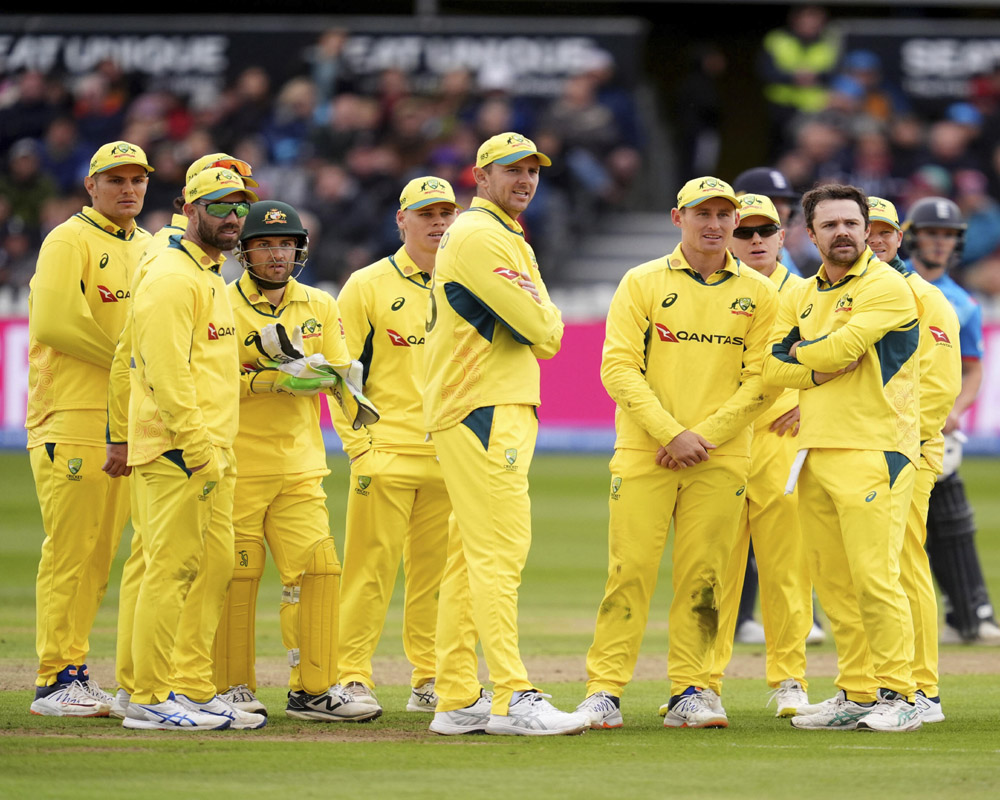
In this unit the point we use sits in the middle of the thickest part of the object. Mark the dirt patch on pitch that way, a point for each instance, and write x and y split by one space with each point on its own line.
955 660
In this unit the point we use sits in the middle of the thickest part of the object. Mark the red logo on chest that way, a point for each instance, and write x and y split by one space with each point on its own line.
107 296
396 339
212 332
664 333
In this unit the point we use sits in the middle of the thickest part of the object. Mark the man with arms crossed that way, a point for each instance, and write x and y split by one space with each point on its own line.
76 310
699 313
489 320
181 433
397 503
848 340
770 517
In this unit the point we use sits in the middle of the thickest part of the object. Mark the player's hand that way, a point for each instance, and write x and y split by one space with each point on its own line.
789 421
116 464
793 348
687 449
952 423
664 459
528 285
819 378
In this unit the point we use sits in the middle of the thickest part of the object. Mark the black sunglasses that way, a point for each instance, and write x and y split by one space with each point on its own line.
748 232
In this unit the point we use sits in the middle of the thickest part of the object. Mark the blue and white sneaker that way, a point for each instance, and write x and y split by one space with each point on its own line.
531 714
423 698
603 709
930 707
67 700
241 720
170 715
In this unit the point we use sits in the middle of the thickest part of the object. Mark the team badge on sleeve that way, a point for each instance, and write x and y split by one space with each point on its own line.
940 337
743 306
508 273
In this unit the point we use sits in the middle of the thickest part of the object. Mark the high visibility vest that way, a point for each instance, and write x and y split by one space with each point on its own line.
790 55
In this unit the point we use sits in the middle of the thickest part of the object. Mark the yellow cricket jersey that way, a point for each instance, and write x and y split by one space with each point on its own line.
869 312
76 309
384 307
186 358
279 434
484 332
682 354
119 386
783 280
940 362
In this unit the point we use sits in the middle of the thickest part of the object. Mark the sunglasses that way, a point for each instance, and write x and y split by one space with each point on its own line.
240 167
765 231
223 210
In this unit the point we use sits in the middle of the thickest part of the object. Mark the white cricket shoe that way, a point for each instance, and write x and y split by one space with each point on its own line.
603 709
713 700
989 632
930 708
120 705
336 705
702 708
835 714
357 692
90 687
170 715
789 697
245 700
892 714
532 715
750 632
67 700
816 635
472 719
240 720
423 698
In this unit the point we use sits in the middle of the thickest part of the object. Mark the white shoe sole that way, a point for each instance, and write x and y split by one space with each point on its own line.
319 716
82 711
506 729
444 729
420 708
147 725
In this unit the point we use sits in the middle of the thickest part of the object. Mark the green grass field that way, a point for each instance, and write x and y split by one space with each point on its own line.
758 756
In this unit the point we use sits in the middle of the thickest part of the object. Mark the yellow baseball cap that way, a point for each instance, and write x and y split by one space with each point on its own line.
698 190
118 154
757 205
881 210
425 191
225 161
214 184
506 148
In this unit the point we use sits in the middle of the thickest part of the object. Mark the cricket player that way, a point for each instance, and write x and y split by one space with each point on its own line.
180 446
76 309
116 465
489 321
279 490
700 313
848 340
940 384
933 235
770 517
397 503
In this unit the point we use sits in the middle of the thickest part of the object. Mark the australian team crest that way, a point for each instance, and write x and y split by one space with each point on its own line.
743 306
74 465
511 455
845 303
311 327
364 481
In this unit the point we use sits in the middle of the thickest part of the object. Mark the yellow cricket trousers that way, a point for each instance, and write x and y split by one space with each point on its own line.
132 572
83 514
188 541
853 506
915 577
771 519
705 502
397 505
290 513
485 461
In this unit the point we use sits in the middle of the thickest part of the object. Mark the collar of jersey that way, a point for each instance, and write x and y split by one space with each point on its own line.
676 260
407 268
98 220
479 204
857 270
200 258
294 292
178 221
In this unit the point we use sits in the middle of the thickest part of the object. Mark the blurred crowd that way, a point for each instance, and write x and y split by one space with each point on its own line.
332 145
836 118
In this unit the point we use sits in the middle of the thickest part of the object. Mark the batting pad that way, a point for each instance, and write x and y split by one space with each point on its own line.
233 653
318 615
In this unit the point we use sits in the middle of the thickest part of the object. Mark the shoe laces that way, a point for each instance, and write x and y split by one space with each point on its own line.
787 685
538 700
600 701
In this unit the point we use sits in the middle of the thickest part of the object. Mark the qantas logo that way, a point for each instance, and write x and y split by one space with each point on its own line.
215 333
508 273
666 335
939 335
398 340
108 296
